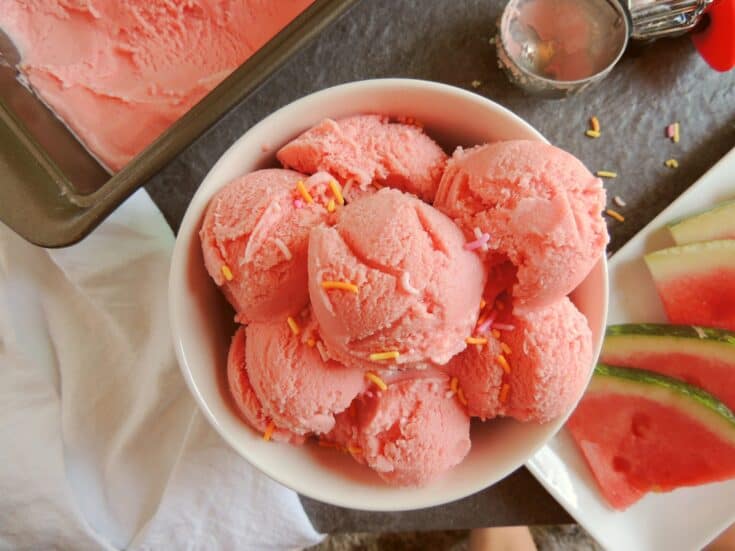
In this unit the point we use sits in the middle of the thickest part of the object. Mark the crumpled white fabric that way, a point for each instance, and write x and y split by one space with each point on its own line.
101 444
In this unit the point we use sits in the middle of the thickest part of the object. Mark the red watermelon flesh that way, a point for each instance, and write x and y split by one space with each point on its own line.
700 356
696 282
640 432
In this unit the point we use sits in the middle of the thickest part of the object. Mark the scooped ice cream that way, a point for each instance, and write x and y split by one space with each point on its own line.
369 149
409 434
540 208
244 396
254 241
391 284
297 388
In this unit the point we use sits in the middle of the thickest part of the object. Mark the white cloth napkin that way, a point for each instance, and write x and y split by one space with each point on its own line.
101 445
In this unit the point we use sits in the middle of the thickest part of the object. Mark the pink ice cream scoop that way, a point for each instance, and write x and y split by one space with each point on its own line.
391 284
412 432
369 149
254 240
534 204
550 361
242 392
298 389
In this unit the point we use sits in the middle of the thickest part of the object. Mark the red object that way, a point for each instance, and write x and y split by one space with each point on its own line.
716 42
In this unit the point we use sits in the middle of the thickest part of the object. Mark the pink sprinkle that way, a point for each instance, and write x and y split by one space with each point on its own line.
298 203
485 327
670 130
477 243
503 326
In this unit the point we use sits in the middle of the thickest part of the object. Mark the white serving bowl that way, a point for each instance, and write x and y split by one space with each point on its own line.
201 320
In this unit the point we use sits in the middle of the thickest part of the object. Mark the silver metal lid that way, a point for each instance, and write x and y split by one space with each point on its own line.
657 18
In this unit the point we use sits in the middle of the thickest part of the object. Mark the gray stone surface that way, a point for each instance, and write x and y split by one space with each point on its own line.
447 41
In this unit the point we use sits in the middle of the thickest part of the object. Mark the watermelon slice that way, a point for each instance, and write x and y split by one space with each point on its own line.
696 282
641 432
715 223
698 356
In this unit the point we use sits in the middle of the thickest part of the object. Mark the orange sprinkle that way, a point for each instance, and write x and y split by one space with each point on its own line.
295 329
483 303
453 384
506 348
502 362
301 188
615 214
496 333
331 206
476 340
342 285
504 393
377 381
269 431
311 343
388 355
460 397
354 450
337 191
594 124
226 272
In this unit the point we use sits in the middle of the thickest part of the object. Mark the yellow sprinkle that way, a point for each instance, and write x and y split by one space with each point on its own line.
496 333
502 362
269 431
676 132
595 124
607 174
483 303
337 191
460 396
295 329
310 343
227 272
506 348
592 134
354 450
301 188
672 163
615 214
377 381
389 355
453 384
476 340
504 393
331 206
343 285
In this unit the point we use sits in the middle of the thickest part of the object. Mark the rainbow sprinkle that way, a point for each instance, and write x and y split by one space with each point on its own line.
607 174
504 393
595 124
506 349
478 243
495 333
615 214
301 188
672 132
269 431
322 351
454 384
310 343
341 285
502 362
337 192
226 272
485 326
377 381
460 397
672 163
476 340
406 284
503 327
295 329
331 206
387 355
298 203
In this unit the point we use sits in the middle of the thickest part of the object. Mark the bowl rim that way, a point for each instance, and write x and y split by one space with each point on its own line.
189 229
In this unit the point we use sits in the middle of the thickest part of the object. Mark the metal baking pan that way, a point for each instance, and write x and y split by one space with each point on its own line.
53 192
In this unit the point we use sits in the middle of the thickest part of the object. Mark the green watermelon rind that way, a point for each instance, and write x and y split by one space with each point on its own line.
710 334
694 401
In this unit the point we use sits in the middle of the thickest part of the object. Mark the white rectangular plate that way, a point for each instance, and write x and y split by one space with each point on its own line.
685 519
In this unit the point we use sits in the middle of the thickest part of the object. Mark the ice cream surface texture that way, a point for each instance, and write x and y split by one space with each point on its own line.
416 289
369 149
254 241
297 388
539 206
380 324
120 72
